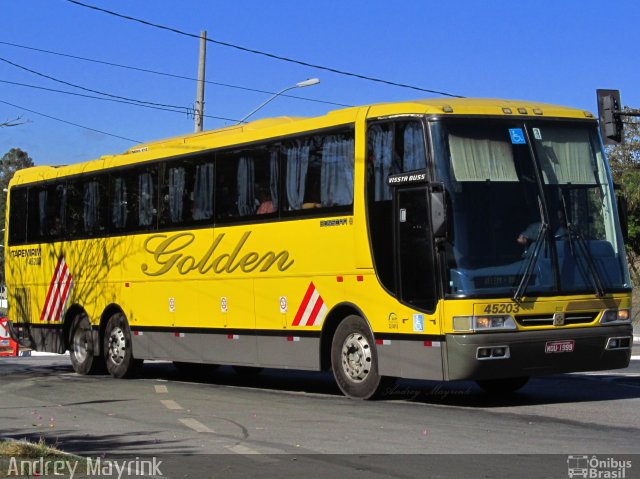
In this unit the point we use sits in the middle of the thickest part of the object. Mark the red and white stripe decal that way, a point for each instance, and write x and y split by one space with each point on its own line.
383 342
178 334
294 339
312 310
58 293
233 336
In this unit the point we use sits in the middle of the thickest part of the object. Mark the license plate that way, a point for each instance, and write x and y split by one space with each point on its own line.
560 346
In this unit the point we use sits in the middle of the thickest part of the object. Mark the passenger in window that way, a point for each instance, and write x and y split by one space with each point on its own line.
266 203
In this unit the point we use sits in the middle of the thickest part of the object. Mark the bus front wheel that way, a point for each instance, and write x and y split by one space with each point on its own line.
81 347
118 351
354 360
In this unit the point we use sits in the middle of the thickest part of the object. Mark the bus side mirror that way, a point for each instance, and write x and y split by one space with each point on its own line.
438 210
609 107
623 210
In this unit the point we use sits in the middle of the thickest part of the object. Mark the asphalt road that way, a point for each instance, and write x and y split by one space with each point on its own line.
297 422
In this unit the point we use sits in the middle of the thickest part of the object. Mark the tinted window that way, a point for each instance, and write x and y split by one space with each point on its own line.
392 147
247 183
17 216
318 171
47 212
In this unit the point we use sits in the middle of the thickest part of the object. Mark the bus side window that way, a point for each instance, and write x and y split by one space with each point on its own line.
226 205
202 192
257 183
17 216
75 209
147 198
319 171
47 213
175 196
94 206
121 201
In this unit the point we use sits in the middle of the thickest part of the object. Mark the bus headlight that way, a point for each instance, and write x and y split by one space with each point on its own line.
616 316
483 323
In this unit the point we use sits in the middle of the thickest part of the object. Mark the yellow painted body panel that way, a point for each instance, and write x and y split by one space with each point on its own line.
255 276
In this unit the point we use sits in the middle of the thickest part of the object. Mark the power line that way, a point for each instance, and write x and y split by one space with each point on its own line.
68 122
171 75
266 54
57 80
82 95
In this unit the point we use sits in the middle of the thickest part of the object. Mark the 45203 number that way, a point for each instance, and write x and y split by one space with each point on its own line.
502 308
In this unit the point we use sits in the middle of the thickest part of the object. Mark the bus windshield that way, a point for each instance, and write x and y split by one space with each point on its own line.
531 209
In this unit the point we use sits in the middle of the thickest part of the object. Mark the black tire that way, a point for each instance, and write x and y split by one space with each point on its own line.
81 347
502 386
118 352
247 371
354 360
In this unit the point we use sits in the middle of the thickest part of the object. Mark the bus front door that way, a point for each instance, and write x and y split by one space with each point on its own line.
415 265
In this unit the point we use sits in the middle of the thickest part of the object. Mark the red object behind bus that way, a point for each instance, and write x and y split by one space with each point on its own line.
8 347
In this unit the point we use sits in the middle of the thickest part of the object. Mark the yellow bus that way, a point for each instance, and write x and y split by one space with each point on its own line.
458 239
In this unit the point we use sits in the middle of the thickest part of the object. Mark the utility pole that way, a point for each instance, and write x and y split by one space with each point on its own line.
199 113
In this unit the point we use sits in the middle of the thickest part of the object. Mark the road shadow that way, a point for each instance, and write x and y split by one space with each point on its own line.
547 390
556 389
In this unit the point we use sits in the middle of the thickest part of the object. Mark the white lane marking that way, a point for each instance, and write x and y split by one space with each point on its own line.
251 454
635 358
161 389
195 425
169 404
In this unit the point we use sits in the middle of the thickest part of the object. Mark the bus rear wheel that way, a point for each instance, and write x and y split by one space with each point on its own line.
81 347
502 386
354 360
118 351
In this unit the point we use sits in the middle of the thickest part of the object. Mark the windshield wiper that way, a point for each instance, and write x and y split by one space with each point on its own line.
574 233
528 272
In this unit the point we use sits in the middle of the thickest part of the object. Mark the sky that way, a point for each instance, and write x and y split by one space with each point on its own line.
555 51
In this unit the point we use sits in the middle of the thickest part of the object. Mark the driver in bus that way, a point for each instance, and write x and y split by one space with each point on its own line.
530 234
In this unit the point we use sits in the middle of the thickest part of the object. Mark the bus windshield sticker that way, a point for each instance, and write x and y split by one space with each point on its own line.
537 134
407 178
418 323
517 136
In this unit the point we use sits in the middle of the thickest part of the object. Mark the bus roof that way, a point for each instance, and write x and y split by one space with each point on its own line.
283 126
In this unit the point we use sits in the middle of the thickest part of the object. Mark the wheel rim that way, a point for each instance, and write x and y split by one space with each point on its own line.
356 357
80 345
117 346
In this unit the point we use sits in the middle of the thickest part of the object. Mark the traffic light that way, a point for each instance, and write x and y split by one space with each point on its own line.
609 109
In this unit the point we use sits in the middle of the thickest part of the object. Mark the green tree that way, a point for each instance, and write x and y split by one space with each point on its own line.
15 159
625 167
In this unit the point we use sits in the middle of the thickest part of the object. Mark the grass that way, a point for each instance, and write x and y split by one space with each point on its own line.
28 451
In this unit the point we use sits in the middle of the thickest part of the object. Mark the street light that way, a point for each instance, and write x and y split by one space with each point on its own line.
302 84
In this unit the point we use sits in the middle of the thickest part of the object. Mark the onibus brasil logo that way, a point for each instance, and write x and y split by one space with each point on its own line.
595 467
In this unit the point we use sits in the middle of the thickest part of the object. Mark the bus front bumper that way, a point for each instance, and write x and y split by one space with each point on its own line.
536 353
